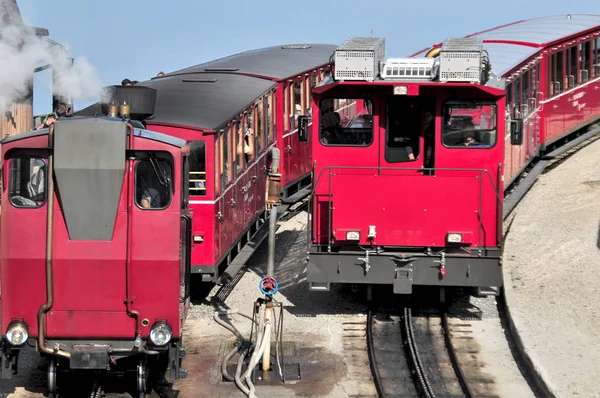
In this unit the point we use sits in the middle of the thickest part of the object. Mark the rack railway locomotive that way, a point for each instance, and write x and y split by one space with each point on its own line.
239 114
409 185
94 246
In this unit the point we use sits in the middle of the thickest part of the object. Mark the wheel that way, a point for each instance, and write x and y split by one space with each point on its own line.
142 377
52 376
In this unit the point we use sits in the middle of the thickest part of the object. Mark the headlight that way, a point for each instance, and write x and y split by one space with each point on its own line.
17 333
160 334
352 235
454 238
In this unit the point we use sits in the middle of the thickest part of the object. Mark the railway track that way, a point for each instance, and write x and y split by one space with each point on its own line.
424 355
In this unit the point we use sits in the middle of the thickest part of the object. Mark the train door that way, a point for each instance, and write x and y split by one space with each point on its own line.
404 144
345 151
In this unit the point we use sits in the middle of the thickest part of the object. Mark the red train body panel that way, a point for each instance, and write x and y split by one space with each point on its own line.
119 241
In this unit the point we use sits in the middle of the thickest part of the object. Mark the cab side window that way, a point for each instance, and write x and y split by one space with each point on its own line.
27 182
153 183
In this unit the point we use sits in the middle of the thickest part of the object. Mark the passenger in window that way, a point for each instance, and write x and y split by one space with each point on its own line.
246 146
333 130
35 186
469 139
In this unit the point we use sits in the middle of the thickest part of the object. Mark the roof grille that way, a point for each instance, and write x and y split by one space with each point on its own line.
296 47
199 80
220 69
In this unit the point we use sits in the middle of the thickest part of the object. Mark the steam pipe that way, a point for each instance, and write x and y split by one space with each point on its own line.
49 241
129 296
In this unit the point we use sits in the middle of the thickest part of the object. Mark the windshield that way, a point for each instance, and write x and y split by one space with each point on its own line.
469 124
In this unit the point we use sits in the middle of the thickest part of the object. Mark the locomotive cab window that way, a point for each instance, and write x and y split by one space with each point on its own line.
346 122
469 125
153 183
197 164
27 182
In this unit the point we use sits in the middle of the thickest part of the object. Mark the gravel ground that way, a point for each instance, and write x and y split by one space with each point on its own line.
551 264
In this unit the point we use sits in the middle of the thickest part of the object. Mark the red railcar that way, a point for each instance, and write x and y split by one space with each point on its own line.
552 71
409 191
215 105
94 262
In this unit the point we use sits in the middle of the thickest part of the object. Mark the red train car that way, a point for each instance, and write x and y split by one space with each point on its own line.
408 191
552 70
91 271
239 114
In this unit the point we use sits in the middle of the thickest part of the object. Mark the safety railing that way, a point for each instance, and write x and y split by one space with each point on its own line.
331 171
197 183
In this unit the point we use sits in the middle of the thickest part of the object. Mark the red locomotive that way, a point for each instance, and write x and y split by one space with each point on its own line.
239 115
409 187
94 263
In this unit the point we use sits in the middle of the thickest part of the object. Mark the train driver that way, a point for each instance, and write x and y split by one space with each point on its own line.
150 198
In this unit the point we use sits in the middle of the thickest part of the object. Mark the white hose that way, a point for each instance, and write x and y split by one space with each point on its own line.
266 340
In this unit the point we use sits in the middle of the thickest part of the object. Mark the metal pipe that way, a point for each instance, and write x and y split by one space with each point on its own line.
272 236
128 294
49 241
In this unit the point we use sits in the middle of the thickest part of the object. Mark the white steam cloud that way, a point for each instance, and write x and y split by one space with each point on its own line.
21 51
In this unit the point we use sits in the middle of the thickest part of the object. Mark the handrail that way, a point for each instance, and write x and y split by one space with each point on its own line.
494 184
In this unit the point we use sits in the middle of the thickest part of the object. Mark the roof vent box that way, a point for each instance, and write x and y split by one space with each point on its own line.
359 59
141 100
461 60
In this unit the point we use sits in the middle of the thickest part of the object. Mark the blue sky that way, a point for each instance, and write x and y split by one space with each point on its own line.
138 38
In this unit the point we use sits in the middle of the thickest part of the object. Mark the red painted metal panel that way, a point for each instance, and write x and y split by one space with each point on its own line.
90 325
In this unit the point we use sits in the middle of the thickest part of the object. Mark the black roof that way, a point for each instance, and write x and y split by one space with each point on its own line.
195 97
277 62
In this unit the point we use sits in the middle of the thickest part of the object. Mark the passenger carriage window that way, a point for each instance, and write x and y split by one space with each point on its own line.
571 78
217 165
153 183
296 102
560 73
350 124
27 182
260 136
225 158
469 124
584 57
249 133
312 83
269 117
197 166
286 102
596 61
238 133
